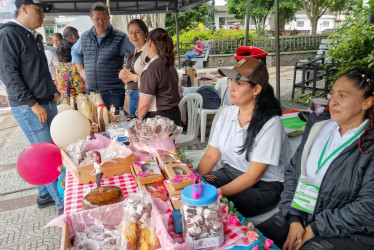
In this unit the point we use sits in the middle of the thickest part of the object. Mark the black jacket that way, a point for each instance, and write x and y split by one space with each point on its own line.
23 67
345 205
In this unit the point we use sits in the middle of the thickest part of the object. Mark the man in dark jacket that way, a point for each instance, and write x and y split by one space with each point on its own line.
99 55
31 92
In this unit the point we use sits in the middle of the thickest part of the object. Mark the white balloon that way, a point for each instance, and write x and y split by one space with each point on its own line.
63 107
68 127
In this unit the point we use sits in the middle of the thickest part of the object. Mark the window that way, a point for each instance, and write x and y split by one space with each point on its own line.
221 21
300 24
325 23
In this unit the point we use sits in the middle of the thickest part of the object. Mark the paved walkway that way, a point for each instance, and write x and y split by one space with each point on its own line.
21 222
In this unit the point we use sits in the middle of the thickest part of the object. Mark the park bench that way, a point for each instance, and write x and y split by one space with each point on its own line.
313 70
198 61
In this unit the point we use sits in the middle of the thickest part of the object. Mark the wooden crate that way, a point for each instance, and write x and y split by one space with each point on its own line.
110 169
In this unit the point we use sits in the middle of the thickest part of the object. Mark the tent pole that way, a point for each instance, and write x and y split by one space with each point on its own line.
247 22
277 55
177 27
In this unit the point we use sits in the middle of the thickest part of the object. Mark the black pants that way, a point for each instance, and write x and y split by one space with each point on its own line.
258 199
173 114
277 227
98 179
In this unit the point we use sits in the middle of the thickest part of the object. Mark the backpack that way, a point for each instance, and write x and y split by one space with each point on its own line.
186 80
211 98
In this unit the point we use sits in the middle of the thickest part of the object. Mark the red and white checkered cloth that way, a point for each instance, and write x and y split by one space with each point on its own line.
75 192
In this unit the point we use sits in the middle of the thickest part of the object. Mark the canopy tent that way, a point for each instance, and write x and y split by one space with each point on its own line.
120 7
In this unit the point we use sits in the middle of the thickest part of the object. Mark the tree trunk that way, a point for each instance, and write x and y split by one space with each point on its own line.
314 21
282 19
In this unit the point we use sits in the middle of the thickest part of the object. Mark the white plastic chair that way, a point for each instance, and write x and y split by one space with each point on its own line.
196 155
221 87
194 103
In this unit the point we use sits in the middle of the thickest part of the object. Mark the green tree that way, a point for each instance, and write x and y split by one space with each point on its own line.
261 8
353 43
314 9
188 19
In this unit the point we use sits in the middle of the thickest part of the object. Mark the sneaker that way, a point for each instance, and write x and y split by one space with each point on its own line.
44 201
61 211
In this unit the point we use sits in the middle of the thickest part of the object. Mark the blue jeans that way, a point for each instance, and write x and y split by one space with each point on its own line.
190 54
115 97
133 101
36 132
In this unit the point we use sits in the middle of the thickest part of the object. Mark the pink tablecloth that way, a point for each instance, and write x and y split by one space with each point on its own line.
75 192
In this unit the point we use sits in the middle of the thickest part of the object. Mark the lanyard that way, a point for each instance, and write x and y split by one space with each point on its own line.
321 164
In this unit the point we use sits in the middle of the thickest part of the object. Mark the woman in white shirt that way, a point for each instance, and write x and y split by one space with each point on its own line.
136 62
328 197
250 141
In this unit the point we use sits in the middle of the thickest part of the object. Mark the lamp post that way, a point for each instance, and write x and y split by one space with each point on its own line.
212 24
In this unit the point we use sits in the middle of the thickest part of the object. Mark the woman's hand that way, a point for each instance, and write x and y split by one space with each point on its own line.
210 178
308 235
124 75
295 236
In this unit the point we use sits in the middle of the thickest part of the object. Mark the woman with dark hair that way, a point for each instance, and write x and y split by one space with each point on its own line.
67 78
158 84
250 141
136 62
328 197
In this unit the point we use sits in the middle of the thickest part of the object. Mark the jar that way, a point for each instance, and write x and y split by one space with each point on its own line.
202 216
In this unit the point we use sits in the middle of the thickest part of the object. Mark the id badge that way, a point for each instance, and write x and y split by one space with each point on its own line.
306 195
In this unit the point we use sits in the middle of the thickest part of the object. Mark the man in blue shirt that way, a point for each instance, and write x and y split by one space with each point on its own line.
99 55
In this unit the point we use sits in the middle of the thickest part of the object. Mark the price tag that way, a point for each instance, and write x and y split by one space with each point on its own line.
306 195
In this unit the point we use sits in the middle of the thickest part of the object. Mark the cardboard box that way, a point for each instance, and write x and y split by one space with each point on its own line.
157 190
175 201
178 169
110 169
147 172
192 73
167 157
170 188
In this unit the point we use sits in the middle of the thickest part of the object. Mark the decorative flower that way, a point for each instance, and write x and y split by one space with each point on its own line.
255 247
233 220
250 226
142 174
268 243
219 193
178 178
252 236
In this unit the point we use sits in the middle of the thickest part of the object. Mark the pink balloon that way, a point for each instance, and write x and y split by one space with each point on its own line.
38 164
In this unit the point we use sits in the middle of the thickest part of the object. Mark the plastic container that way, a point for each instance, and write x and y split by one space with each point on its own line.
202 216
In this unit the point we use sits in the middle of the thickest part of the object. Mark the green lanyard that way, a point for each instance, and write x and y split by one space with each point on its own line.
320 163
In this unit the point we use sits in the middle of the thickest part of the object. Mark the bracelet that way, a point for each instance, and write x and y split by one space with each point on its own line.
135 78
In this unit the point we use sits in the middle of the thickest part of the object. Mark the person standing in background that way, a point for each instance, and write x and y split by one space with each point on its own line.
56 38
136 62
71 34
99 54
158 86
31 92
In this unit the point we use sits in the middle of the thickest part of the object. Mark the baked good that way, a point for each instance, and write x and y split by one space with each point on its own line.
102 196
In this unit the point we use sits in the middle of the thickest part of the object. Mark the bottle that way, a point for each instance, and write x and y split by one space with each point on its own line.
122 116
200 204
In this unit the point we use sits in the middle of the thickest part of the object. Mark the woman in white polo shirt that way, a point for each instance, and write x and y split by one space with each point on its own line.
328 197
250 141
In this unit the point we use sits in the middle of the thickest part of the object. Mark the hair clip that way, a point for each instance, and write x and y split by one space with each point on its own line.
164 34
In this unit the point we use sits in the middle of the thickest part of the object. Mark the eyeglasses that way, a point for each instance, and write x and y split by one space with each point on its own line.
236 84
